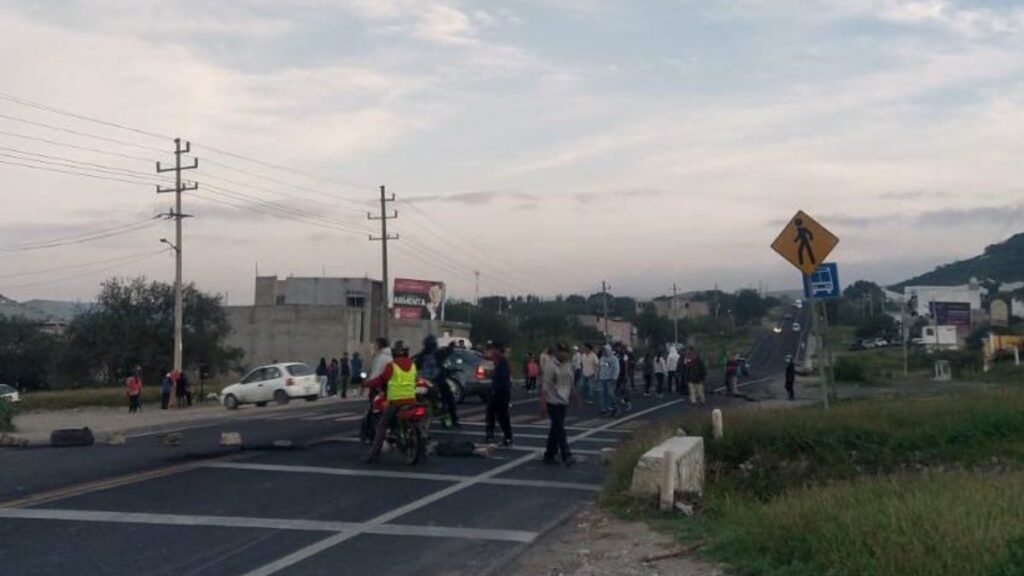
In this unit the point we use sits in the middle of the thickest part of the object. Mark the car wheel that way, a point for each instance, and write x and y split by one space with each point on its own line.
281 397
230 402
261 404
458 392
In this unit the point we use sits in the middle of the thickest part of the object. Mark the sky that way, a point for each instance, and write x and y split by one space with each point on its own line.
548 144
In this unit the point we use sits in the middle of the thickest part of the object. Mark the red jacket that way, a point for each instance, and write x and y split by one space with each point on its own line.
381 381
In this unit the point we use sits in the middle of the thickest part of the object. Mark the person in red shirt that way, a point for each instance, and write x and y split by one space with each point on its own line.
133 389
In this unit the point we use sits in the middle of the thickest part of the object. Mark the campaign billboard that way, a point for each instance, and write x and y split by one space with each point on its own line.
416 299
952 314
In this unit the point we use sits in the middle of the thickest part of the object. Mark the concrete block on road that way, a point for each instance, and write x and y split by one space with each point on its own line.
116 439
172 439
13 441
689 467
606 456
484 450
230 439
281 444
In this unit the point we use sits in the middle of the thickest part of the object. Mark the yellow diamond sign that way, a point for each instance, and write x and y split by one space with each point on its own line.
805 243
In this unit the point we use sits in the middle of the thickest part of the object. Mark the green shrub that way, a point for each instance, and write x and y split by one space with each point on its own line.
849 369
6 416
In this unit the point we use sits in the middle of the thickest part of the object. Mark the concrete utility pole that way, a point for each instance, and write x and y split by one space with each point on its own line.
177 215
675 312
604 298
383 239
476 293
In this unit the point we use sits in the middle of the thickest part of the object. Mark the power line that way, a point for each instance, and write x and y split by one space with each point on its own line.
72 163
145 256
78 133
75 146
54 110
272 191
47 169
285 209
81 239
72 266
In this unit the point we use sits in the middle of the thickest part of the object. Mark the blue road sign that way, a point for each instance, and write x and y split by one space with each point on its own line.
824 282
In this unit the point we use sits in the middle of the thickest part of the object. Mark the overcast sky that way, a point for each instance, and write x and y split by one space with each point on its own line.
549 144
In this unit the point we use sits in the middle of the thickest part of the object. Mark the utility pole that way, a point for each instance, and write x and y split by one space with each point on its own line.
383 239
675 312
177 215
476 293
604 298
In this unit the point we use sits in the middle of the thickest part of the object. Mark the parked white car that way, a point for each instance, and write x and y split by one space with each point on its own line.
9 394
276 382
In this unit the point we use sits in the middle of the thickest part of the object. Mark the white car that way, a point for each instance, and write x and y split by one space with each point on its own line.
796 326
9 394
275 382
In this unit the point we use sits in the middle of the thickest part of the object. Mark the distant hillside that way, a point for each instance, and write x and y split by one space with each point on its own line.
42 310
1002 262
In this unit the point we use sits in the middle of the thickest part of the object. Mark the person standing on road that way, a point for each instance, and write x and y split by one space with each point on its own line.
381 357
672 370
589 373
659 373
321 376
557 391
182 392
501 394
607 376
695 375
647 369
166 387
344 374
133 389
731 367
790 377
356 370
333 375
622 382
532 372
577 366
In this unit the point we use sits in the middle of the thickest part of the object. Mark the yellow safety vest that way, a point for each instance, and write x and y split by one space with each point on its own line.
402 385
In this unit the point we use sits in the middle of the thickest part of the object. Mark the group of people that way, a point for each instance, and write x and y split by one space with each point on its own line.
667 371
174 384
334 378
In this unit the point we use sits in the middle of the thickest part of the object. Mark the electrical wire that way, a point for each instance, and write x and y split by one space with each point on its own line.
140 258
82 134
80 239
71 266
75 146
54 110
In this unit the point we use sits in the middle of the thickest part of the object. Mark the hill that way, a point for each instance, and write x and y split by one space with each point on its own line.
1003 262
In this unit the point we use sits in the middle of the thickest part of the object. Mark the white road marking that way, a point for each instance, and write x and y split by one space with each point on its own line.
404 475
519 536
314 549
324 417
546 427
533 436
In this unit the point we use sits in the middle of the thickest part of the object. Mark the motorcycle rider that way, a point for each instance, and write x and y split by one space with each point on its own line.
398 382
430 364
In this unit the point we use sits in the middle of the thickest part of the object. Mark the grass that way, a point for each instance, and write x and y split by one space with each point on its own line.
46 400
883 366
7 411
915 486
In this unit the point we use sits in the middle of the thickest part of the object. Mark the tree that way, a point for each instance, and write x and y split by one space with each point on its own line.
653 329
28 355
132 324
749 307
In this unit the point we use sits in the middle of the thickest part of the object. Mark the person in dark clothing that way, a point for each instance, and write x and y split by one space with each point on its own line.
357 372
647 368
622 383
344 375
183 392
333 375
430 364
166 387
321 376
790 377
501 394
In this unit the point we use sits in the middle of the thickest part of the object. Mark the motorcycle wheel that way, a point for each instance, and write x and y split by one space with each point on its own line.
413 445
369 429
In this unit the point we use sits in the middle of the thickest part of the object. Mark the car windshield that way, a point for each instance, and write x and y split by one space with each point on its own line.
299 370
5 389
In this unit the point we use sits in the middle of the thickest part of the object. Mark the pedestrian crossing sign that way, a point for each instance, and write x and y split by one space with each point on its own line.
805 243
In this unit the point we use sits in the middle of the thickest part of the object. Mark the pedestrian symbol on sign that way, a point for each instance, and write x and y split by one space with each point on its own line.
804 237
804 242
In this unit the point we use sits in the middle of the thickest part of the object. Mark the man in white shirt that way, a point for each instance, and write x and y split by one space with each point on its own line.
588 373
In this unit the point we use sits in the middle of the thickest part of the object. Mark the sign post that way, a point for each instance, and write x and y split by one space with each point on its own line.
805 244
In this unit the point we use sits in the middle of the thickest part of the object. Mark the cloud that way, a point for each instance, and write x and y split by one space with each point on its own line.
915 195
476 198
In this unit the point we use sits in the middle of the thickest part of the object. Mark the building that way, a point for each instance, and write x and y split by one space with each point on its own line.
927 295
305 319
618 330
686 308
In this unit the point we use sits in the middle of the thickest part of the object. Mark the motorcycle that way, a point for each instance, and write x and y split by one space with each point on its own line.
409 433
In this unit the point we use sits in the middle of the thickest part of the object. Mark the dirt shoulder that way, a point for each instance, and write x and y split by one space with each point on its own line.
595 543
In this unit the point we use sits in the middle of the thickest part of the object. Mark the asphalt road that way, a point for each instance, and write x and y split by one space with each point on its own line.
199 509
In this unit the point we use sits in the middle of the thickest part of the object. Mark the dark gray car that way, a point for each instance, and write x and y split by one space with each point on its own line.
469 374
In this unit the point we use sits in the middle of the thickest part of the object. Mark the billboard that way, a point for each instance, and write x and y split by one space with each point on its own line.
952 314
416 299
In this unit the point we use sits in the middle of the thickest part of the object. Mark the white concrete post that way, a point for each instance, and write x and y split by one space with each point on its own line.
716 423
668 481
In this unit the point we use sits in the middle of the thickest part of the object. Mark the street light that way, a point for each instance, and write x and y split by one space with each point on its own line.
169 243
